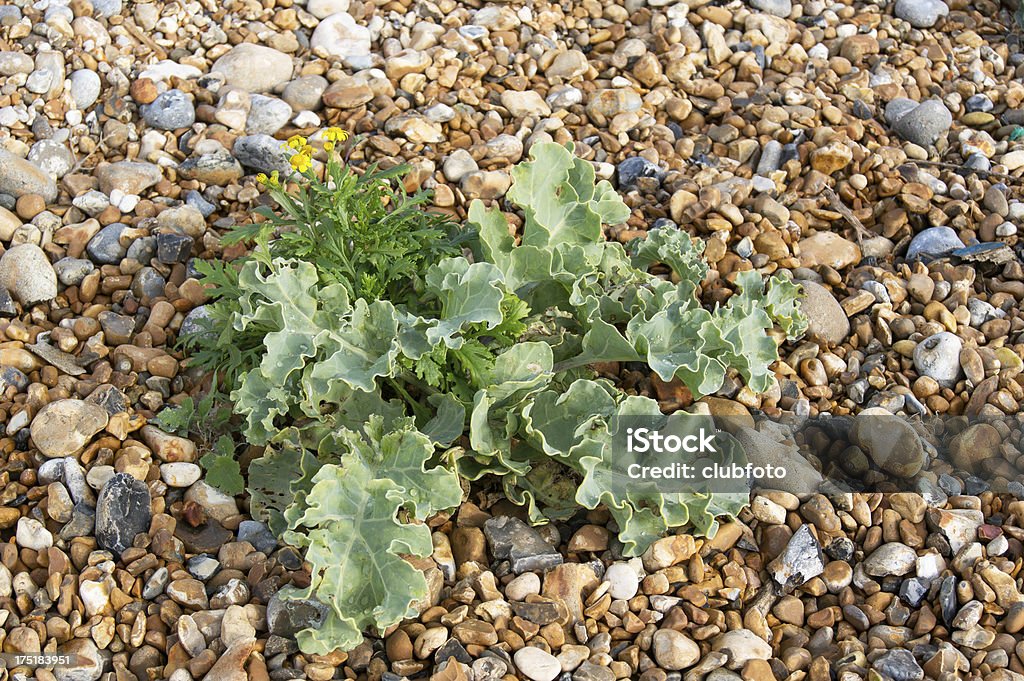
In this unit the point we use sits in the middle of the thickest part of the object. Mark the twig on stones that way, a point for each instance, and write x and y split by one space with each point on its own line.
838 206
140 35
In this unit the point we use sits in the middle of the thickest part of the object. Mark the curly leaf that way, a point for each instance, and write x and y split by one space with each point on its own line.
353 536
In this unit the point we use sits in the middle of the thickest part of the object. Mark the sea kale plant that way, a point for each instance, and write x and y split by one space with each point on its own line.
380 386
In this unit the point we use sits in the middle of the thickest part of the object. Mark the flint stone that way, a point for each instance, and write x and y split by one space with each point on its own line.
122 512
512 539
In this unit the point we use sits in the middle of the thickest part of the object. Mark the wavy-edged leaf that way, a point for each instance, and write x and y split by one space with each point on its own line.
353 537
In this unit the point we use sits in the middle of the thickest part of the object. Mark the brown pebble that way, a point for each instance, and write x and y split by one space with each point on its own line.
30 205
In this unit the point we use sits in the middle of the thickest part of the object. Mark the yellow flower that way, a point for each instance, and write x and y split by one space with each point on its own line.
335 135
328 146
301 162
262 178
274 180
296 142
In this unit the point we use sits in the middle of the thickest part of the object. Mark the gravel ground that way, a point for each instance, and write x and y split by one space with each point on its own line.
874 151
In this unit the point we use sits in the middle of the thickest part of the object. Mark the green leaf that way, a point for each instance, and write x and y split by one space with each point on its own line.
468 294
222 469
285 298
279 480
354 539
449 421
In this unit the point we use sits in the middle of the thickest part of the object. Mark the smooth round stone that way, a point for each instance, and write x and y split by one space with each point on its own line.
674 650
322 9
522 586
305 93
254 68
52 157
27 274
827 320
71 271
148 283
888 559
340 36
171 110
13 63
85 88
920 13
19 177
779 8
932 243
742 646
107 8
938 356
623 579
180 473
537 664
924 124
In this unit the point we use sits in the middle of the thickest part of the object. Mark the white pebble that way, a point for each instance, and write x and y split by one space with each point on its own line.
623 579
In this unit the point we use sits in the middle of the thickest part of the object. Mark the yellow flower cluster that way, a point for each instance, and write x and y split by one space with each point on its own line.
333 136
273 180
302 159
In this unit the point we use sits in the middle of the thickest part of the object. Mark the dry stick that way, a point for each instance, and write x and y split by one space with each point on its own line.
837 205
139 35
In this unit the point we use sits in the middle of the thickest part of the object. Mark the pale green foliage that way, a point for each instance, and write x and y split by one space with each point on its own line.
348 524
619 311
492 355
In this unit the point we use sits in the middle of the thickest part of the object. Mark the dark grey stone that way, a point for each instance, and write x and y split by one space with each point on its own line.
105 247
632 169
142 249
122 511
7 308
978 103
925 123
285 617
196 200
262 153
173 248
513 540
898 665
82 523
257 534
148 283
913 591
452 648
12 376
